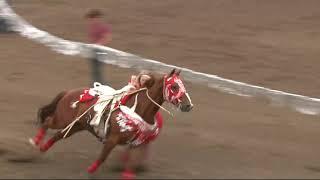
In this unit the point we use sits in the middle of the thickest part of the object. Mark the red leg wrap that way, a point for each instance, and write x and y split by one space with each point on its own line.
128 174
38 138
94 166
46 146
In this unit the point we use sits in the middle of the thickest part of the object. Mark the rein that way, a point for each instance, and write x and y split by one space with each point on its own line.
158 104
147 92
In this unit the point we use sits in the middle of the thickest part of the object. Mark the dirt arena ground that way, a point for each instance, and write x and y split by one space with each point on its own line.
269 43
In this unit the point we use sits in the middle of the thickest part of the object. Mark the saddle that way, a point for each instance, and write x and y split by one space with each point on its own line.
103 96
127 119
100 96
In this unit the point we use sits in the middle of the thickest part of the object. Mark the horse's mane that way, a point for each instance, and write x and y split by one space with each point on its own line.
155 77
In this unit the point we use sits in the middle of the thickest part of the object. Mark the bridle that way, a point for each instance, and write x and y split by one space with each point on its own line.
168 94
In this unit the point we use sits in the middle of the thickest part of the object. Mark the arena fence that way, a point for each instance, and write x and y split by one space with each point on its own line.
300 103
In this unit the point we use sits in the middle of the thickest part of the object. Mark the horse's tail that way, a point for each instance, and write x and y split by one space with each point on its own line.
49 109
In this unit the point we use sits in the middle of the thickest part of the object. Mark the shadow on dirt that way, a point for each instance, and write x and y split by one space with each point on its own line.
19 153
3 152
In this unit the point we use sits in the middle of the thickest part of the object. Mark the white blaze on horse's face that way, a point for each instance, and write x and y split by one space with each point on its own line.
175 93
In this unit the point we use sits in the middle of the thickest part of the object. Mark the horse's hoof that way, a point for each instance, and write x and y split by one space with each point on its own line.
141 168
42 149
31 141
128 175
91 170
93 167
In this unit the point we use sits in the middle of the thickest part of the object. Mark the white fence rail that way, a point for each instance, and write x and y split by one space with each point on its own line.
300 103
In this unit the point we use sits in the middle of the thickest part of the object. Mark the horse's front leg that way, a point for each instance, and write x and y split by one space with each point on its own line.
110 143
134 160
59 135
135 157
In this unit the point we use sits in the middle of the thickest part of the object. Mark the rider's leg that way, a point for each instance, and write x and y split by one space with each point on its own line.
96 68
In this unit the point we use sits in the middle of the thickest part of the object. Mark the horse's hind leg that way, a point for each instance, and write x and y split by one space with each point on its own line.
59 135
45 118
36 140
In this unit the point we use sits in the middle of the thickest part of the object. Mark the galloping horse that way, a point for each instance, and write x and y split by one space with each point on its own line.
123 126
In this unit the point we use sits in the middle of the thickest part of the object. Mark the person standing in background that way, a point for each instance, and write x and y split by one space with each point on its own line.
99 33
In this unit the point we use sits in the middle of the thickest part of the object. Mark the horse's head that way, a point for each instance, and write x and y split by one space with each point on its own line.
175 92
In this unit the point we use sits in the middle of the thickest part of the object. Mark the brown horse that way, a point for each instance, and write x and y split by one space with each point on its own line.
121 129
